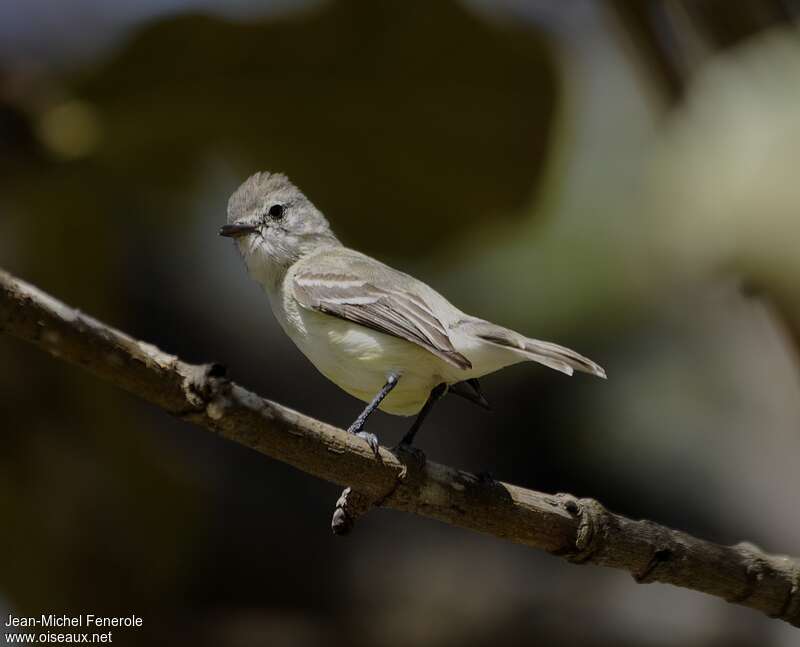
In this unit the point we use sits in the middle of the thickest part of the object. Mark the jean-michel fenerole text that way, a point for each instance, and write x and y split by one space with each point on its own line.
88 620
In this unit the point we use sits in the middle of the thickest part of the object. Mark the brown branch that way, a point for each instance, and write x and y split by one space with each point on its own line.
580 530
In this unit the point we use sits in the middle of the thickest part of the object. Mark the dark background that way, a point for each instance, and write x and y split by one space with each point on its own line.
618 177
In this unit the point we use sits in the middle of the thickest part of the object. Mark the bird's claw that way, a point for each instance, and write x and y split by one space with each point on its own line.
372 441
414 452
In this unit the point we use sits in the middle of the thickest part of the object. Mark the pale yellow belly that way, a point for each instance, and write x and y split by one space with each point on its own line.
360 360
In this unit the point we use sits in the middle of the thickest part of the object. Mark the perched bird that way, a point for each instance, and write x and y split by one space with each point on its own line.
377 333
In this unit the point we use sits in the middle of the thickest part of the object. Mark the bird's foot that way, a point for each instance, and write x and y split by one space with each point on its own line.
415 453
486 477
372 441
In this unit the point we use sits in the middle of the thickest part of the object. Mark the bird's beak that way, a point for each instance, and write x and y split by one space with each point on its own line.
236 230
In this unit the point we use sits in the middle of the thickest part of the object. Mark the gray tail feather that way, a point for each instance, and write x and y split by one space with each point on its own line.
544 352
540 351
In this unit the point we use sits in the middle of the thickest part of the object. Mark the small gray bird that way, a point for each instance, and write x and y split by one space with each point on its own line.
381 335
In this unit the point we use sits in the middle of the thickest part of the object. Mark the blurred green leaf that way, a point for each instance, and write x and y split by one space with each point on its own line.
405 123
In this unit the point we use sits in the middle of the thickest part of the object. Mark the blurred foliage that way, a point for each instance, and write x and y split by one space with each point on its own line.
407 125
671 35
727 164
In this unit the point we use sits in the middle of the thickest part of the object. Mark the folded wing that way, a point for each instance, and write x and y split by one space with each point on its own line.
372 299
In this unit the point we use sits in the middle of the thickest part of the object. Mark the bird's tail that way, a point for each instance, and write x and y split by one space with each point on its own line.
552 355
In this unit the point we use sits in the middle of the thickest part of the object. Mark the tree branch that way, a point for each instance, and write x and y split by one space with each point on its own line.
579 530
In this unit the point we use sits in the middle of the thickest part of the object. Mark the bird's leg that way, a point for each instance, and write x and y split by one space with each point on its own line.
470 390
357 427
437 392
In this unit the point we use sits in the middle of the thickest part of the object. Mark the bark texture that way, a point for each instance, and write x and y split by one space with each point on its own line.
579 530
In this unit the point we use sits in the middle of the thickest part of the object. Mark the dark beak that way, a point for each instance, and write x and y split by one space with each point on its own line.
234 231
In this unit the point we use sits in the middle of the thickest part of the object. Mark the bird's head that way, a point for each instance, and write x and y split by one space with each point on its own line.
274 224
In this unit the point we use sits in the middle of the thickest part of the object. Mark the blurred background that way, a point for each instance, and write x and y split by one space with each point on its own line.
616 176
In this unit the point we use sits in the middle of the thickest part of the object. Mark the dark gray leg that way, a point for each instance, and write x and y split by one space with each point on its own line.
357 427
437 392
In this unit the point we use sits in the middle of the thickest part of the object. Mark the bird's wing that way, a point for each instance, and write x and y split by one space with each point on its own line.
373 295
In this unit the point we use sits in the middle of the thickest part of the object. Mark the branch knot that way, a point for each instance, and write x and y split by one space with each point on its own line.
350 506
790 609
353 504
593 520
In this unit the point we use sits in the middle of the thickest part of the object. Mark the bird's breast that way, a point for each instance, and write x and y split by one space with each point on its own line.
359 360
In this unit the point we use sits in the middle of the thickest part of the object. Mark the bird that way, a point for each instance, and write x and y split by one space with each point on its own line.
379 334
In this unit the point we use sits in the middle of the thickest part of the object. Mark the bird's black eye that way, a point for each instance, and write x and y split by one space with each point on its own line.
276 211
